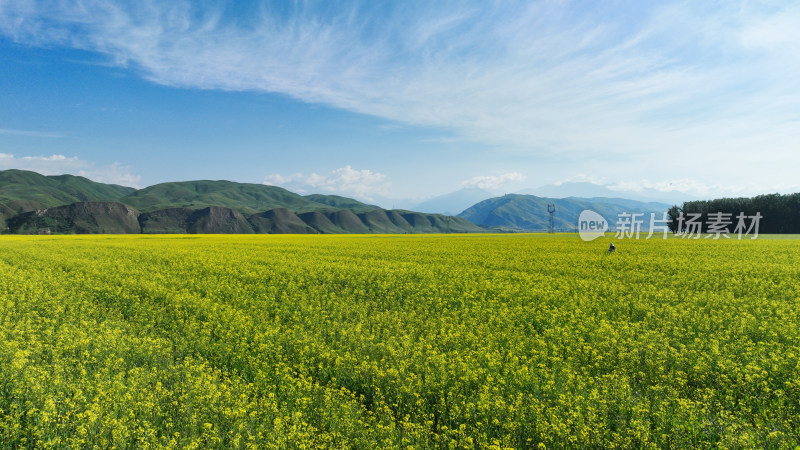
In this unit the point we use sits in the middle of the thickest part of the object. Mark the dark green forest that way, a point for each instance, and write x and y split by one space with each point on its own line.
779 214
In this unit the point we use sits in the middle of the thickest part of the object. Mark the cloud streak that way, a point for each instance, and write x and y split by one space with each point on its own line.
547 79
31 133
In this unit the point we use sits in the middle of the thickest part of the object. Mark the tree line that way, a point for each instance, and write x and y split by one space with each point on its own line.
780 214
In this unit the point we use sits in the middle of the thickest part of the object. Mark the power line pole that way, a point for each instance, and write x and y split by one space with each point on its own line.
551 208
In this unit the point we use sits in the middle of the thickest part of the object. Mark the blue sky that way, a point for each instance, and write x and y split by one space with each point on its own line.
406 99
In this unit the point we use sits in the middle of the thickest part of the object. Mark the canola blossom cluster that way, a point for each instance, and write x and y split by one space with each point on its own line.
469 341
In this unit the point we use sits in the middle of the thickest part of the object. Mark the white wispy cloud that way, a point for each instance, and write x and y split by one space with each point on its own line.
688 79
346 181
683 185
493 182
581 178
59 164
31 133
115 173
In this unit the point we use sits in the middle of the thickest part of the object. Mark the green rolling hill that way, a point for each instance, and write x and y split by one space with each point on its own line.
242 197
22 190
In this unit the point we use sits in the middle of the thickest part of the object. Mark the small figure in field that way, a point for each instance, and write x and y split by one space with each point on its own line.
611 247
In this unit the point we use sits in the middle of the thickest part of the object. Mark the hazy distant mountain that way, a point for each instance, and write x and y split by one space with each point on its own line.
588 190
31 203
394 202
454 202
529 212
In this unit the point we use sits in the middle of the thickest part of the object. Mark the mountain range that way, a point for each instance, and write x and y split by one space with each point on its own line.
516 212
31 203
456 202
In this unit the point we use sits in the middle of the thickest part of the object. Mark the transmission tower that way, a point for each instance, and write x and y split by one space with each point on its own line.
551 208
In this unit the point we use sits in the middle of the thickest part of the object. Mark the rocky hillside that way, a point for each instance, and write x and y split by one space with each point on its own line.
78 218
114 217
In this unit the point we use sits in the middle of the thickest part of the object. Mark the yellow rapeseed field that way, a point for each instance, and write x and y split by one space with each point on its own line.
469 341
